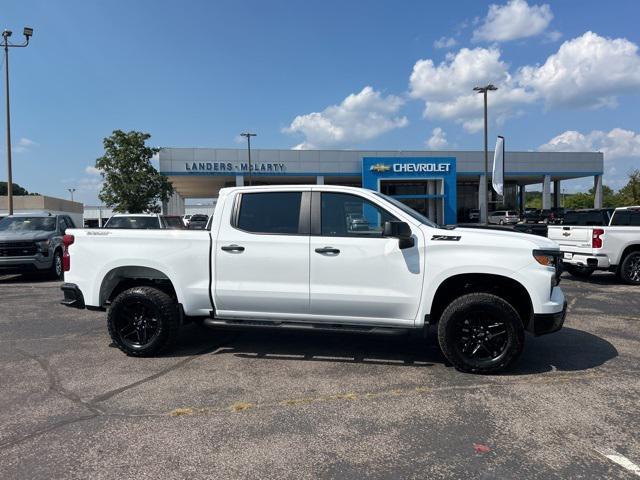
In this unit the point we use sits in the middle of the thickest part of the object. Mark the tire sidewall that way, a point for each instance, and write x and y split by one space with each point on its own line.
163 309
467 305
54 273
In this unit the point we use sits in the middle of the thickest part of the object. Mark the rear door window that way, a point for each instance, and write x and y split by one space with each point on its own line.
270 212
626 218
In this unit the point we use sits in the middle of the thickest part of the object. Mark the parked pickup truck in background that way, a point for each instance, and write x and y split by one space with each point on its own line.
614 247
32 243
293 257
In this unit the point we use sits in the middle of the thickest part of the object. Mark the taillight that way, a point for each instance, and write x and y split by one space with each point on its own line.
66 258
596 241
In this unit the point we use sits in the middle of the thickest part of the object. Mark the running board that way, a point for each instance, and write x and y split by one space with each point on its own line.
316 327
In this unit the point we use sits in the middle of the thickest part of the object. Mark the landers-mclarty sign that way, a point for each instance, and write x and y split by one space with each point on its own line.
223 167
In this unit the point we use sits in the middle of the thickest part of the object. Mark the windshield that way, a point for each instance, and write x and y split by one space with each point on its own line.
145 223
28 224
408 210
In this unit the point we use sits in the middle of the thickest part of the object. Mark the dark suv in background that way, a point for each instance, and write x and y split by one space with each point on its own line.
32 243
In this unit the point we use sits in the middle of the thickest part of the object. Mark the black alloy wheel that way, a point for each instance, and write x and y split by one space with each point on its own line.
481 336
137 324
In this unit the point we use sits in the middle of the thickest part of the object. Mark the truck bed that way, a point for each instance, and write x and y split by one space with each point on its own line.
183 255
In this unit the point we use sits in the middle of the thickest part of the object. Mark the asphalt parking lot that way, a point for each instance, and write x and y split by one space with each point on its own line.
285 405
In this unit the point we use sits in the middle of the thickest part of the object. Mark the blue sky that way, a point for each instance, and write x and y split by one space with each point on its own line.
356 74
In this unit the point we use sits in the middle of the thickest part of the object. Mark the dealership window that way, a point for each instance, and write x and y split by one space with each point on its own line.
424 196
270 212
345 215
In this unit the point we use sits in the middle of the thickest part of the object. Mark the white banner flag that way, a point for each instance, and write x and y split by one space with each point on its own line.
498 167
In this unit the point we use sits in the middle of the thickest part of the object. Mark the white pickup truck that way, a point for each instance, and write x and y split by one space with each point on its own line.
321 258
615 247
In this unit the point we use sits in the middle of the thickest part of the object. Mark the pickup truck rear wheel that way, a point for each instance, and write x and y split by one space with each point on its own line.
579 272
630 269
143 321
480 333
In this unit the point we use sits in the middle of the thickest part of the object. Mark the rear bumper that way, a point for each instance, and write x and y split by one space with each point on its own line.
72 296
544 323
600 262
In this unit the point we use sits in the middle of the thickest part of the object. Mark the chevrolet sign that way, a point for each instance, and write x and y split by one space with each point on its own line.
411 167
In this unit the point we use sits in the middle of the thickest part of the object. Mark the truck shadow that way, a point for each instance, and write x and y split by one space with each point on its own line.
567 350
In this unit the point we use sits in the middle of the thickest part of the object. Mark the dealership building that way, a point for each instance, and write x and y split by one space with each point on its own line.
442 185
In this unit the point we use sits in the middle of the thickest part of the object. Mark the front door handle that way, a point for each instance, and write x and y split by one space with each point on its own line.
333 251
232 248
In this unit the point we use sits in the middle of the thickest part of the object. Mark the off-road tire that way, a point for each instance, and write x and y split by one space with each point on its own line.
628 269
579 272
161 307
470 306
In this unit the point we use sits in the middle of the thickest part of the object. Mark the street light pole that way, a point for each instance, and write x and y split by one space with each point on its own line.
249 135
71 190
28 32
484 213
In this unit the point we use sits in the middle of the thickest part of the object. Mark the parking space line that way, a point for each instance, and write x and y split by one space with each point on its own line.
618 459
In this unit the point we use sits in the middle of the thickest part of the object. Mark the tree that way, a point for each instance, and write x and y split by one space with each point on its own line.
15 189
131 183
630 193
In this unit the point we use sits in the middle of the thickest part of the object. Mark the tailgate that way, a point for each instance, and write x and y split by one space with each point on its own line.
570 236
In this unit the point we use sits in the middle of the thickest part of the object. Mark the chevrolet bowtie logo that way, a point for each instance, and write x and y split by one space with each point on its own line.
380 167
566 234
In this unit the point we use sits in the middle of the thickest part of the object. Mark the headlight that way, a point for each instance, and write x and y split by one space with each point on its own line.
546 258
550 258
43 246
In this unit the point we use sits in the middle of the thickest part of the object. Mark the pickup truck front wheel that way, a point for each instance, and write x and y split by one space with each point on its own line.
143 321
480 333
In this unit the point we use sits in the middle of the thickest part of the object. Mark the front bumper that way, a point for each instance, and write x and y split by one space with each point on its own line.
26 264
72 296
543 323
600 262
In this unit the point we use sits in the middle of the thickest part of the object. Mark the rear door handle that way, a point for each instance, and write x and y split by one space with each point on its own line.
333 251
232 248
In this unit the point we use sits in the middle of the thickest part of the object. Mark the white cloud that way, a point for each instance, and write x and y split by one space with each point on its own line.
91 170
617 143
447 88
512 21
445 42
23 145
438 139
360 116
587 71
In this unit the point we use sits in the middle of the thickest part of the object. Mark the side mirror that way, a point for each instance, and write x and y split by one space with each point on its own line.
399 230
